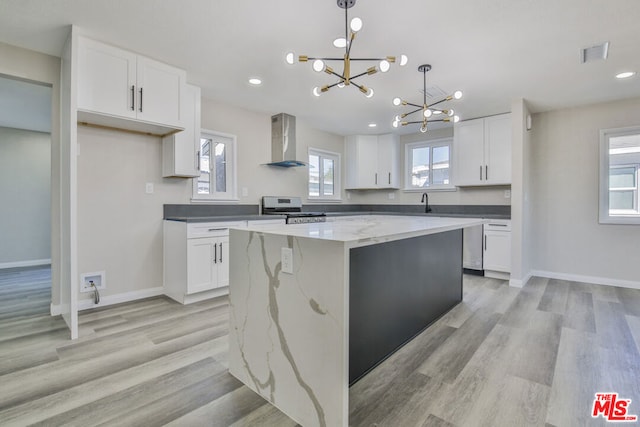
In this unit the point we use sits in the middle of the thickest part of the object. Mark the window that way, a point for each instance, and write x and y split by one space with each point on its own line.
324 175
217 180
619 176
428 165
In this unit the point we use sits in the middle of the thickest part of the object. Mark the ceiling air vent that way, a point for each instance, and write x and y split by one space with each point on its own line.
595 53
435 92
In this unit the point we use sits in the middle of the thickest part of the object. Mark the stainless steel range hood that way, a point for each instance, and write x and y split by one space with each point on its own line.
283 141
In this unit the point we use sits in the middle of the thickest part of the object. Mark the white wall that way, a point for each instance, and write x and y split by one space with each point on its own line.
120 226
567 238
30 65
461 196
25 191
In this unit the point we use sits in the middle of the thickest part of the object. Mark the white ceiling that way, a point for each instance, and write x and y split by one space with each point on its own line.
493 50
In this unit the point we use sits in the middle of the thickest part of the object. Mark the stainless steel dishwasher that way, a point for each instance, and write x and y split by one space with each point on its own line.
472 250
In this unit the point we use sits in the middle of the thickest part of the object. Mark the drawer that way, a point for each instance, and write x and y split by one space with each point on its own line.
498 225
211 229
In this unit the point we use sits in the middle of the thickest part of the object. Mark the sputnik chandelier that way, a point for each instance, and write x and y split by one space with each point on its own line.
346 42
427 110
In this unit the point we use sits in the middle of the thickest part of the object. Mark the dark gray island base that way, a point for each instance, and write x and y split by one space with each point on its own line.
396 290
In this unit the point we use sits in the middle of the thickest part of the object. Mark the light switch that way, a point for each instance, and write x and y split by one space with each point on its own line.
149 188
286 255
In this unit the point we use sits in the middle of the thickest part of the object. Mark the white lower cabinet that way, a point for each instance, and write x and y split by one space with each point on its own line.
196 259
496 259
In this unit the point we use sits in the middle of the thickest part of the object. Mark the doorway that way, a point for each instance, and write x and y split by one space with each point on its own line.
25 186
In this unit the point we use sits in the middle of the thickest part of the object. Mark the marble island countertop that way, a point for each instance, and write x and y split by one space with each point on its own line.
362 230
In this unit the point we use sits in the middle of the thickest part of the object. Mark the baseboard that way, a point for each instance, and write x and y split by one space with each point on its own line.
30 263
86 304
587 279
497 275
517 283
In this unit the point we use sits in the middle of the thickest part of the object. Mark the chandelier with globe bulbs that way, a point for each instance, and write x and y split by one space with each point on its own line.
347 78
428 114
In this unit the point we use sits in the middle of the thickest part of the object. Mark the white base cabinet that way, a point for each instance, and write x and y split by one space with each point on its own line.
482 149
496 260
196 259
372 162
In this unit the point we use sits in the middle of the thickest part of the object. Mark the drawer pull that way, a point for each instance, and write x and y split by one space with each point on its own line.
215 254
217 229
497 225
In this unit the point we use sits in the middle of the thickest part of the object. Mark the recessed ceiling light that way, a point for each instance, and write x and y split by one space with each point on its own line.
372 125
625 75
255 81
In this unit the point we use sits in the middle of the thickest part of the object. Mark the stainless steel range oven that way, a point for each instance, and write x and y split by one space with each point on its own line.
292 208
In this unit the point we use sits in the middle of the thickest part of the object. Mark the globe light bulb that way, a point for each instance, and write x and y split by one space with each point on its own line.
423 128
403 60
450 113
340 42
395 123
318 65
457 94
356 24
397 118
396 101
456 119
427 113
316 91
384 66
341 85
369 93
290 58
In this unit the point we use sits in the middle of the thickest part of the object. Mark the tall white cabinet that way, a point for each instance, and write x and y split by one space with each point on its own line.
120 89
372 162
482 149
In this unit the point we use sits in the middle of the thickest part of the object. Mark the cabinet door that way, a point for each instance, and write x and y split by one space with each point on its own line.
388 154
468 146
159 91
362 162
180 150
106 79
497 251
498 149
201 271
223 262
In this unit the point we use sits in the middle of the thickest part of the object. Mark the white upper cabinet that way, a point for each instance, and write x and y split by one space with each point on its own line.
482 150
372 161
180 150
121 89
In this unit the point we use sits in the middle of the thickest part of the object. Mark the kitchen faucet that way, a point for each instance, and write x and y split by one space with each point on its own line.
425 197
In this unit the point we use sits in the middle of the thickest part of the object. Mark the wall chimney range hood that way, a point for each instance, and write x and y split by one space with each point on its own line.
283 141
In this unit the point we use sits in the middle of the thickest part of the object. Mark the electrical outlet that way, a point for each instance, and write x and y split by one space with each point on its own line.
392 196
507 194
286 258
149 188
98 279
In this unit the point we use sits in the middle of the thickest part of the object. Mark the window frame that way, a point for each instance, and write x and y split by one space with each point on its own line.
337 178
408 160
231 195
604 216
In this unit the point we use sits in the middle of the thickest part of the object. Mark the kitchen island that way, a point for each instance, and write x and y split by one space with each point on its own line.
315 306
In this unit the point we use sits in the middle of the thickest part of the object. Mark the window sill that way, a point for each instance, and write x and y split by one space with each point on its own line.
320 200
429 189
213 201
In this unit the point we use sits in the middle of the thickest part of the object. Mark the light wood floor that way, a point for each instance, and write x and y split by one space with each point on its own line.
503 357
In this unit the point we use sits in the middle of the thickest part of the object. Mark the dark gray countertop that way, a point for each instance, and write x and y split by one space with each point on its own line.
436 214
220 218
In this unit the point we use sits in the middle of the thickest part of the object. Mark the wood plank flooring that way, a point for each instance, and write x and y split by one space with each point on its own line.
503 357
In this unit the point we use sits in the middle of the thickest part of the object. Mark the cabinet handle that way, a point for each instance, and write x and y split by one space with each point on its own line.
215 253
485 242
133 98
141 100
498 225
480 172
486 172
221 253
376 178
217 229
198 161
389 178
